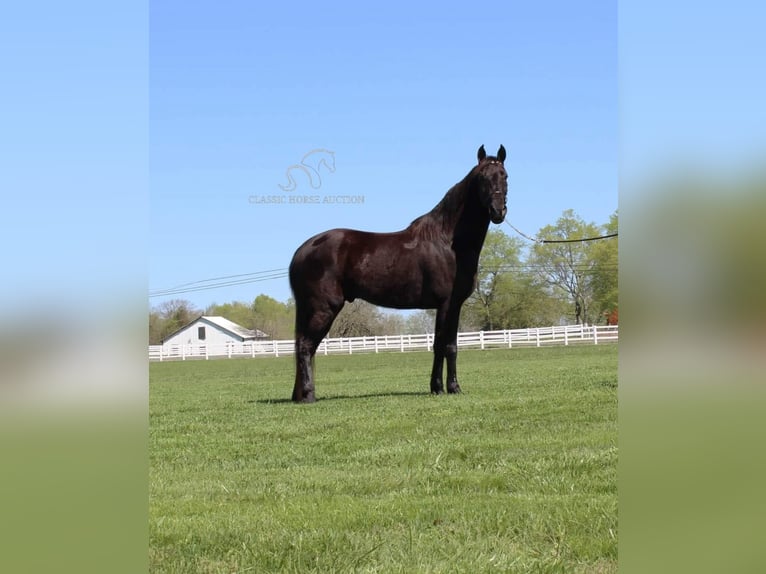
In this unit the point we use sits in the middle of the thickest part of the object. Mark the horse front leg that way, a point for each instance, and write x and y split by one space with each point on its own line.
437 386
440 342
450 349
451 356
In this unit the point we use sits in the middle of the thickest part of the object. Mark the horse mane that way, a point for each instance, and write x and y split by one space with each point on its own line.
441 220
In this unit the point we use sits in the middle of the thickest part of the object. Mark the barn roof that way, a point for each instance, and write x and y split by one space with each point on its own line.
221 322
233 327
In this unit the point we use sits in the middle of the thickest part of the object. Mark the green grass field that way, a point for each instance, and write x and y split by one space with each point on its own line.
516 474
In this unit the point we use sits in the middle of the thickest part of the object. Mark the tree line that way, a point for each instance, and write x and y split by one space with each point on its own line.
518 286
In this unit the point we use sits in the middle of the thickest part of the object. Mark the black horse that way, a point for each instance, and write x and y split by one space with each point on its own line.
430 265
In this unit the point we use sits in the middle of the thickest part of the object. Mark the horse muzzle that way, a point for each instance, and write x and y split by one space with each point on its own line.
497 216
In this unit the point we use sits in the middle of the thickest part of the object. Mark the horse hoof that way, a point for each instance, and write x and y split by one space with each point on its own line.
306 399
454 390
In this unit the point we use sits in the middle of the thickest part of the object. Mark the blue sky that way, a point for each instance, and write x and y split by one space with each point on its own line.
402 93
73 157
238 94
691 87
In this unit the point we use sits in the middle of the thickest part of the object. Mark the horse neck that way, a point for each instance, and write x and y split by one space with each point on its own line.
460 217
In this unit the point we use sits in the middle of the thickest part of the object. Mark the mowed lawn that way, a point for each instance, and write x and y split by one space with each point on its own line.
516 474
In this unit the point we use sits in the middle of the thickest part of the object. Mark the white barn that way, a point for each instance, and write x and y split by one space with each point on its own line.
211 332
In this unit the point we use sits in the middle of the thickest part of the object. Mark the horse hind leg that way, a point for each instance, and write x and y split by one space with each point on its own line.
303 391
311 326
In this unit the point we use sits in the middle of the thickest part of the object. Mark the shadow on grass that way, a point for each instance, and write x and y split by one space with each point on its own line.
285 401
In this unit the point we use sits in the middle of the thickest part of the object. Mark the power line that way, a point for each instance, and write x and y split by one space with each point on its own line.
225 277
537 240
546 270
219 282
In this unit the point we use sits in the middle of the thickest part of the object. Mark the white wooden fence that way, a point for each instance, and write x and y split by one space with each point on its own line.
508 338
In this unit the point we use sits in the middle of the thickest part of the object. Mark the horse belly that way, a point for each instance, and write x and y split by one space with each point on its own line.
391 280
397 296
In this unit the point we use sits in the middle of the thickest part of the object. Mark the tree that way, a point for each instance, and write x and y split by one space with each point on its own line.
265 314
273 317
179 312
507 296
236 311
420 322
156 327
569 267
357 319
524 301
170 316
604 275
391 323
500 257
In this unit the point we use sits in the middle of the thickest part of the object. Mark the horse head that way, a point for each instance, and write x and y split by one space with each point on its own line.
492 181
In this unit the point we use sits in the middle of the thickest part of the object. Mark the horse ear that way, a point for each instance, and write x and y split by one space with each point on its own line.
501 154
482 154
